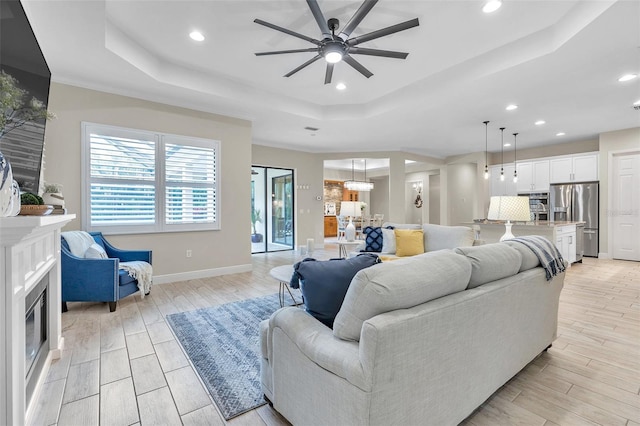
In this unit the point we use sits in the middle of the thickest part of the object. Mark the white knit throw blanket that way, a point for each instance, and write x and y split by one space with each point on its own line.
141 271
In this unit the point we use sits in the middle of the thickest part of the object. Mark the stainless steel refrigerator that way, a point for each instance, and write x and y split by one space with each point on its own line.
578 202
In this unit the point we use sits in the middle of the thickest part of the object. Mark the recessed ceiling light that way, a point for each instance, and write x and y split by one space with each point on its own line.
539 122
627 77
637 102
511 107
491 6
507 144
560 134
196 35
341 86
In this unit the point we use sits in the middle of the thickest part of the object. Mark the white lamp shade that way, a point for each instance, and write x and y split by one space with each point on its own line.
350 208
509 209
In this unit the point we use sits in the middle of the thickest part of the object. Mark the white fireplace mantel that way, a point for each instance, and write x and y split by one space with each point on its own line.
29 250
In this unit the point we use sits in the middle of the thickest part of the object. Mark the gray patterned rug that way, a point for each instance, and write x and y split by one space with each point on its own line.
223 343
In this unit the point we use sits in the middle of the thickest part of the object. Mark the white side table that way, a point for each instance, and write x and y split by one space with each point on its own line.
343 250
283 275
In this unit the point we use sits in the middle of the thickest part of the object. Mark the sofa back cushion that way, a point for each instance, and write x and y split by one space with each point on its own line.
529 258
324 283
491 262
439 237
404 283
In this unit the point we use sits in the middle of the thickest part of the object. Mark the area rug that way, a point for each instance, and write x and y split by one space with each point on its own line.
223 344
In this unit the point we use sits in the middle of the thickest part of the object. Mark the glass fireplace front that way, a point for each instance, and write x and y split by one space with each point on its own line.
36 343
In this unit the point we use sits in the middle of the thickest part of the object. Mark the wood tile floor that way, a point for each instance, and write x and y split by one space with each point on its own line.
126 368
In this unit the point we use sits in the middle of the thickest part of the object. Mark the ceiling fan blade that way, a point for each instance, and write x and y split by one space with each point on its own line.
377 52
383 32
357 66
328 74
317 13
278 52
286 31
357 17
309 62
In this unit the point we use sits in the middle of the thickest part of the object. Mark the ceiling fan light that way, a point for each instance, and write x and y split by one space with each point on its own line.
491 6
333 52
333 57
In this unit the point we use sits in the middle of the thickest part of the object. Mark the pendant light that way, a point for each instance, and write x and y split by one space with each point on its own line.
515 159
502 153
358 185
486 137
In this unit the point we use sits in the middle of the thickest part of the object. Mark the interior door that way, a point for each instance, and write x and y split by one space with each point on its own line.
625 201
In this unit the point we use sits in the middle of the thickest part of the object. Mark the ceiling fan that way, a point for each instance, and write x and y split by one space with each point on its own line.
335 48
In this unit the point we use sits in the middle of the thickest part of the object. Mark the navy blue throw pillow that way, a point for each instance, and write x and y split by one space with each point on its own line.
325 283
373 241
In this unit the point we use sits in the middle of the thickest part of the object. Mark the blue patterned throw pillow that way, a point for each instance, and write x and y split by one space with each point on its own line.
373 241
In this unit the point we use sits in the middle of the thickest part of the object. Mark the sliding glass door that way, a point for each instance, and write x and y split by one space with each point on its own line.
272 222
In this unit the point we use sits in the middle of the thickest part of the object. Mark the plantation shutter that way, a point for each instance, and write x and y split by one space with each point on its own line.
190 184
122 180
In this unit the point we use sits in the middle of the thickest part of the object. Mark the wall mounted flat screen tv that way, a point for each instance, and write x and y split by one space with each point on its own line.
21 57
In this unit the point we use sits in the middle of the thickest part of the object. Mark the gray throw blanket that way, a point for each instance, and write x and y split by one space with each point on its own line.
548 254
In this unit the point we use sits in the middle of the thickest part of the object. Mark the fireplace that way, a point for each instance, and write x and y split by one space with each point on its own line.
36 342
30 294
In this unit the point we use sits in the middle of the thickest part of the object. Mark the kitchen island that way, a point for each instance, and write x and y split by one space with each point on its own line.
567 236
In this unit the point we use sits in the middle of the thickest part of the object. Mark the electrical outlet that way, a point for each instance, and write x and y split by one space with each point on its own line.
188 253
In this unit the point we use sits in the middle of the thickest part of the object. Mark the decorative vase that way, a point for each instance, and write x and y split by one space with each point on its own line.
15 199
350 231
6 187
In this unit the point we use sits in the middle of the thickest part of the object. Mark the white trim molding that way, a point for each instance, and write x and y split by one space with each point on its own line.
203 273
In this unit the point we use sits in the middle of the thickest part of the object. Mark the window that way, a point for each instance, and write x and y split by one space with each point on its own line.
137 181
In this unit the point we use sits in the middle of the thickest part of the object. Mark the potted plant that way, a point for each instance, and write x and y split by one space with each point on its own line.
255 217
53 194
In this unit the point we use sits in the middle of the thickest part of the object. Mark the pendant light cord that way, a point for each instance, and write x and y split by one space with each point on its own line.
486 138
502 150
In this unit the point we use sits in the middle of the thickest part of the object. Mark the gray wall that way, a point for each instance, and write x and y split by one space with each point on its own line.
462 181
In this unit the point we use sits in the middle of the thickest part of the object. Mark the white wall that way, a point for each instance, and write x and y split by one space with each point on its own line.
379 197
611 142
213 252
462 182
434 199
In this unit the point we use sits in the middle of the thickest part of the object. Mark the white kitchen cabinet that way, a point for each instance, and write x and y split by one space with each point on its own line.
575 168
506 187
565 238
533 176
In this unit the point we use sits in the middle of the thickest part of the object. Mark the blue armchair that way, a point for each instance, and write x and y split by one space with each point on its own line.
98 280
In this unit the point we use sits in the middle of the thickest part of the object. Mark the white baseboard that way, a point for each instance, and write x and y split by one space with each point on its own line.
604 256
203 273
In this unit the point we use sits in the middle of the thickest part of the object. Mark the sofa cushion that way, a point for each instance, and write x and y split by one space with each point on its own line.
400 284
491 262
324 283
529 258
438 237
409 242
388 241
373 240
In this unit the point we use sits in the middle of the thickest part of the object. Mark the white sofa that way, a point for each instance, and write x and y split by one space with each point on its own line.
423 340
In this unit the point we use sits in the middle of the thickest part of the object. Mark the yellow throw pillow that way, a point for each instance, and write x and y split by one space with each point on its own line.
409 242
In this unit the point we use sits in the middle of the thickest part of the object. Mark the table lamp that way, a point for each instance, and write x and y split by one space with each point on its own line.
509 208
